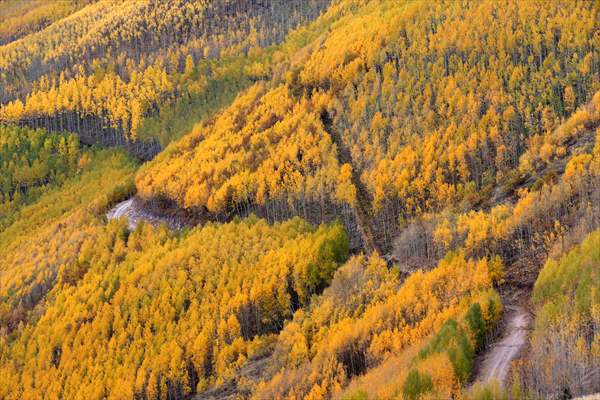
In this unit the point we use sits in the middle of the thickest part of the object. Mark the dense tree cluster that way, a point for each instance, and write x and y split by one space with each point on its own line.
48 234
118 103
429 98
267 146
121 61
367 316
21 18
214 83
165 315
31 161
554 192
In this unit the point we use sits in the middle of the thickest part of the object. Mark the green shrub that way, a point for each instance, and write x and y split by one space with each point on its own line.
416 384
474 319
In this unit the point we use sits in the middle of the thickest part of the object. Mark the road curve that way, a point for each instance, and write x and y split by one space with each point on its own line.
135 212
123 209
120 210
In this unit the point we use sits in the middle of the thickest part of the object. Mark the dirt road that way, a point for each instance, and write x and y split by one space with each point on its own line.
136 213
498 357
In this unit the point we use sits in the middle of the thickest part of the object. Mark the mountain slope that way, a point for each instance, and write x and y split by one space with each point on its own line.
102 70
431 116
356 196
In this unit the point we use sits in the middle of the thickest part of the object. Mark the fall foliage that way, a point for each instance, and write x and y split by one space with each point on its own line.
358 188
135 59
430 116
31 162
368 315
566 339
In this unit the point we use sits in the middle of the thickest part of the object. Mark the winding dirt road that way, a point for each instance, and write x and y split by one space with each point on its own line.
498 357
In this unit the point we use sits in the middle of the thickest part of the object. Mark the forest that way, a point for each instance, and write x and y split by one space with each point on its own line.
307 199
32 161
424 123
104 84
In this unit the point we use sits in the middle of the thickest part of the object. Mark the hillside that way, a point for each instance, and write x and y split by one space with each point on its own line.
425 117
309 199
135 59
